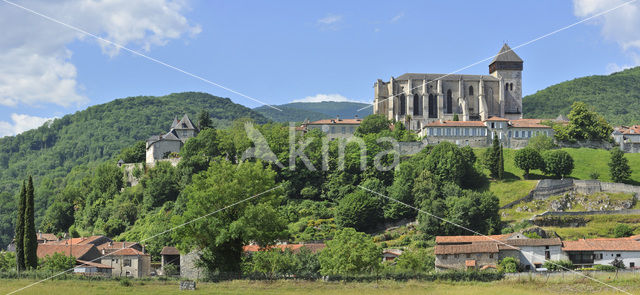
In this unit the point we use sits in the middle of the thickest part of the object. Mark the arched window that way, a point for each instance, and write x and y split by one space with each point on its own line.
449 102
490 101
403 105
433 106
417 106
511 86
470 90
506 87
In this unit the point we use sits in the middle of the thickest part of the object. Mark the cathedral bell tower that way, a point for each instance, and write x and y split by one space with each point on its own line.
507 67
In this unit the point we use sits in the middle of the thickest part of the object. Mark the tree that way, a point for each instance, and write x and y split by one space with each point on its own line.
373 124
350 253
528 159
7 260
541 143
19 237
618 264
204 120
558 163
415 261
446 162
619 166
222 235
584 124
361 209
400 190
30 238
160 185
559 265
58 262
456 118
494 160
508 265
623 230
134 154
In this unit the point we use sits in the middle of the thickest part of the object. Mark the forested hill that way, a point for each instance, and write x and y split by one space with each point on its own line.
616 97
97 134
300 111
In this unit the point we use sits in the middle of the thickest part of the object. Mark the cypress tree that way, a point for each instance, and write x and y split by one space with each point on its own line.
493 157
19 238
619 166
501 164
30 238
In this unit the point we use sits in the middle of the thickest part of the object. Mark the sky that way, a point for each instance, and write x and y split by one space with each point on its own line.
275 52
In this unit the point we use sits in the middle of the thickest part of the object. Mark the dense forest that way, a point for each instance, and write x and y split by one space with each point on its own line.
616 97
300 111
92 136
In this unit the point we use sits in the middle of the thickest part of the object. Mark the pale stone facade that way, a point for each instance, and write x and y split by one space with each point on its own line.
161 146
128 263
334 128
431 97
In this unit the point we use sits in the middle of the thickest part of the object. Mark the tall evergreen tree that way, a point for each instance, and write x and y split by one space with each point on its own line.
500 163
19 238
493 158
204 120
619 166
30 238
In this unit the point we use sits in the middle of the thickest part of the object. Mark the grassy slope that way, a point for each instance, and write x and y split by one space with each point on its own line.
566 284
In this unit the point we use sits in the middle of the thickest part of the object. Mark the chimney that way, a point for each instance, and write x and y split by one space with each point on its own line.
356 116
39 235
337 117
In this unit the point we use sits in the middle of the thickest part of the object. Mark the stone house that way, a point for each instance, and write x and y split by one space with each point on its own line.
161 146
169 256
628 138
482 252
511 133
391 254
127 262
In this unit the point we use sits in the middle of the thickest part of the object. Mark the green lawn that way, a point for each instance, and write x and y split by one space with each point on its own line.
598 226
570 284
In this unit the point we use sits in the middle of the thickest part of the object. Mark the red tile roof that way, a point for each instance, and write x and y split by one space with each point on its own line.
47 237
335 121
534 242
466 248
633 130
496 119
78 241
77 251
116 245
619 244
127 252
166 250
83 263
456 124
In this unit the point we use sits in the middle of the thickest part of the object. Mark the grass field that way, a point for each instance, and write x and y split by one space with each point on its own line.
524 285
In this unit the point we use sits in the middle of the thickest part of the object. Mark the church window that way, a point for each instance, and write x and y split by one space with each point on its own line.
470 90
506 87
433 106
511 86
418 125
403 105
449 102
417 110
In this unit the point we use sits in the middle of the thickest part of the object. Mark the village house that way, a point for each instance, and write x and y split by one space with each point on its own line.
391 254
169 256
511 133
482 252
334 128
628 138
43 238
89 268
589 252
86 252
128 262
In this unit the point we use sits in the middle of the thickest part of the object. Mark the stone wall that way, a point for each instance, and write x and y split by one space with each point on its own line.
473 141
188 266
582 213
630 147
585 144
457 261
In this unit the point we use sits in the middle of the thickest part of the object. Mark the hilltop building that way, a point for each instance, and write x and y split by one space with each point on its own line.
161 146
628 138
334 128
419 99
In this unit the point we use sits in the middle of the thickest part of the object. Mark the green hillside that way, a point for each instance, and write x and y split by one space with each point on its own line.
616 97
300 111
94 135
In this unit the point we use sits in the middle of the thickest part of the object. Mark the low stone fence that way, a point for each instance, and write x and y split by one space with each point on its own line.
582 213
554 187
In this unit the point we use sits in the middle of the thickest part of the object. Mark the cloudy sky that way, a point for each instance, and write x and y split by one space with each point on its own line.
278 52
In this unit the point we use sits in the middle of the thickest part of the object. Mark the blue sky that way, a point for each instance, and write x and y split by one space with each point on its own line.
280 51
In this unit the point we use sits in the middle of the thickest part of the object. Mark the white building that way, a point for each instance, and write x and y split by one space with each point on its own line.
589 252
161 146
334 128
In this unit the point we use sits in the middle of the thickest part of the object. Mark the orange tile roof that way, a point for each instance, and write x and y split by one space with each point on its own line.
498 119
47 237
534 242
456 124
619 244
466 248
116 245
633 130
127 252
78 241
81 263
336 121
77 251
469 239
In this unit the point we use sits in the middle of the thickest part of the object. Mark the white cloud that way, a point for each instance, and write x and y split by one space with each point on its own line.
330 22
20 123
324 97
614 67
36 67
621 25
397 17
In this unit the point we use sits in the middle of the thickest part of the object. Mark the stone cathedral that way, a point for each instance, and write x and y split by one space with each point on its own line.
418 99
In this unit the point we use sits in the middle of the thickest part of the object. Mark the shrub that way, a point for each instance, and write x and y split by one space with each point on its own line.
559 265
125 282
558 163
604 267
622 230
508 265
619 166
528 159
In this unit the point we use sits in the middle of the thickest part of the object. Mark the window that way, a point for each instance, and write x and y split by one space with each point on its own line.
517 133
449 102
509 133
493 125
433 106
403 105
547 255
511 87
600 256
126 262
468 255
632 264
417 106
546 247
506 87
470 90
127 273
491 255
455 256
344 129
333 129
618 255
445 256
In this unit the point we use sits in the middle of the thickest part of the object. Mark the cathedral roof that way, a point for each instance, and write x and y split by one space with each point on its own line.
506 54
448 77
